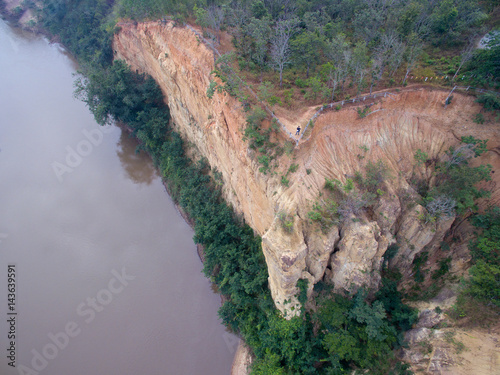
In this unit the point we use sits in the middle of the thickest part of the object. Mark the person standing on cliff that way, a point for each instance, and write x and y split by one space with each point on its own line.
298 130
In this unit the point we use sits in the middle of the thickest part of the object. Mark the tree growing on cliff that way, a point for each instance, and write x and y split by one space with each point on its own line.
441 206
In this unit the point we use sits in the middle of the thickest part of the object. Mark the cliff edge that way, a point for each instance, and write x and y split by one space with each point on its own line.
349 253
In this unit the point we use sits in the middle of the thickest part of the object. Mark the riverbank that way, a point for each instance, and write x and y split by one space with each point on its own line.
242 360
15 23
109 212
243 357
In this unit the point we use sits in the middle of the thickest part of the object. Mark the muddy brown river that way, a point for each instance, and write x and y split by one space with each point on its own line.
98 271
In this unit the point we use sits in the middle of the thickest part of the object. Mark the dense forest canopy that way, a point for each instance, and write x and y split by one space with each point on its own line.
325 46
359 42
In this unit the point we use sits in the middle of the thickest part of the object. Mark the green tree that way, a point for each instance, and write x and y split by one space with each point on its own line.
359 63
260 30
450 19
269 365
307 48
338 51
484 281
412 53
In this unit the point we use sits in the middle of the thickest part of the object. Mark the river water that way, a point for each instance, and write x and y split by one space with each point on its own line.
106 275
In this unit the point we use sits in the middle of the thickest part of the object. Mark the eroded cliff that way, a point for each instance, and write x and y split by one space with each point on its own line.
341 144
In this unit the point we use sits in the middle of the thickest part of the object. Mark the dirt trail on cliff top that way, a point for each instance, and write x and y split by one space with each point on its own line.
405 122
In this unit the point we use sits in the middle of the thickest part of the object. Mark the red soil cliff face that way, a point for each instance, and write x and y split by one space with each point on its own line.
350 254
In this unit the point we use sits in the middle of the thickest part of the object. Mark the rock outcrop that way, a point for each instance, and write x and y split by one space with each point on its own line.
340 145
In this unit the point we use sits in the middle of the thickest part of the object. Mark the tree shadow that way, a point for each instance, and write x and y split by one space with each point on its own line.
137 165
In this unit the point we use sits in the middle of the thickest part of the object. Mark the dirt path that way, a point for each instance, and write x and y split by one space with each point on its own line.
481 353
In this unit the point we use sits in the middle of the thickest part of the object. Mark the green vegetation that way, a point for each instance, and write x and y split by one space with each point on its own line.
340 202
286 221
83 27
484 283
444 267
154 9
490 102
421 157
325 49
259 138
454 193
362 333
484 67
285 181
362 113
292 169
478 118
211 89
325 213
455 188
375 175
363 148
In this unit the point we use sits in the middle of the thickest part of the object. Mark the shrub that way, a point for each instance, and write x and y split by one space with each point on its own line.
391 252
353 204
459 182
418 262
325 214
421 157
478 145
479 118
286 221
490 102
285 181
211 89
288 96
375 175
484 283
265 90
440 206
302 295
274 100
289 146
444 267
301 83
363 112
293 168
316 86
264 160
